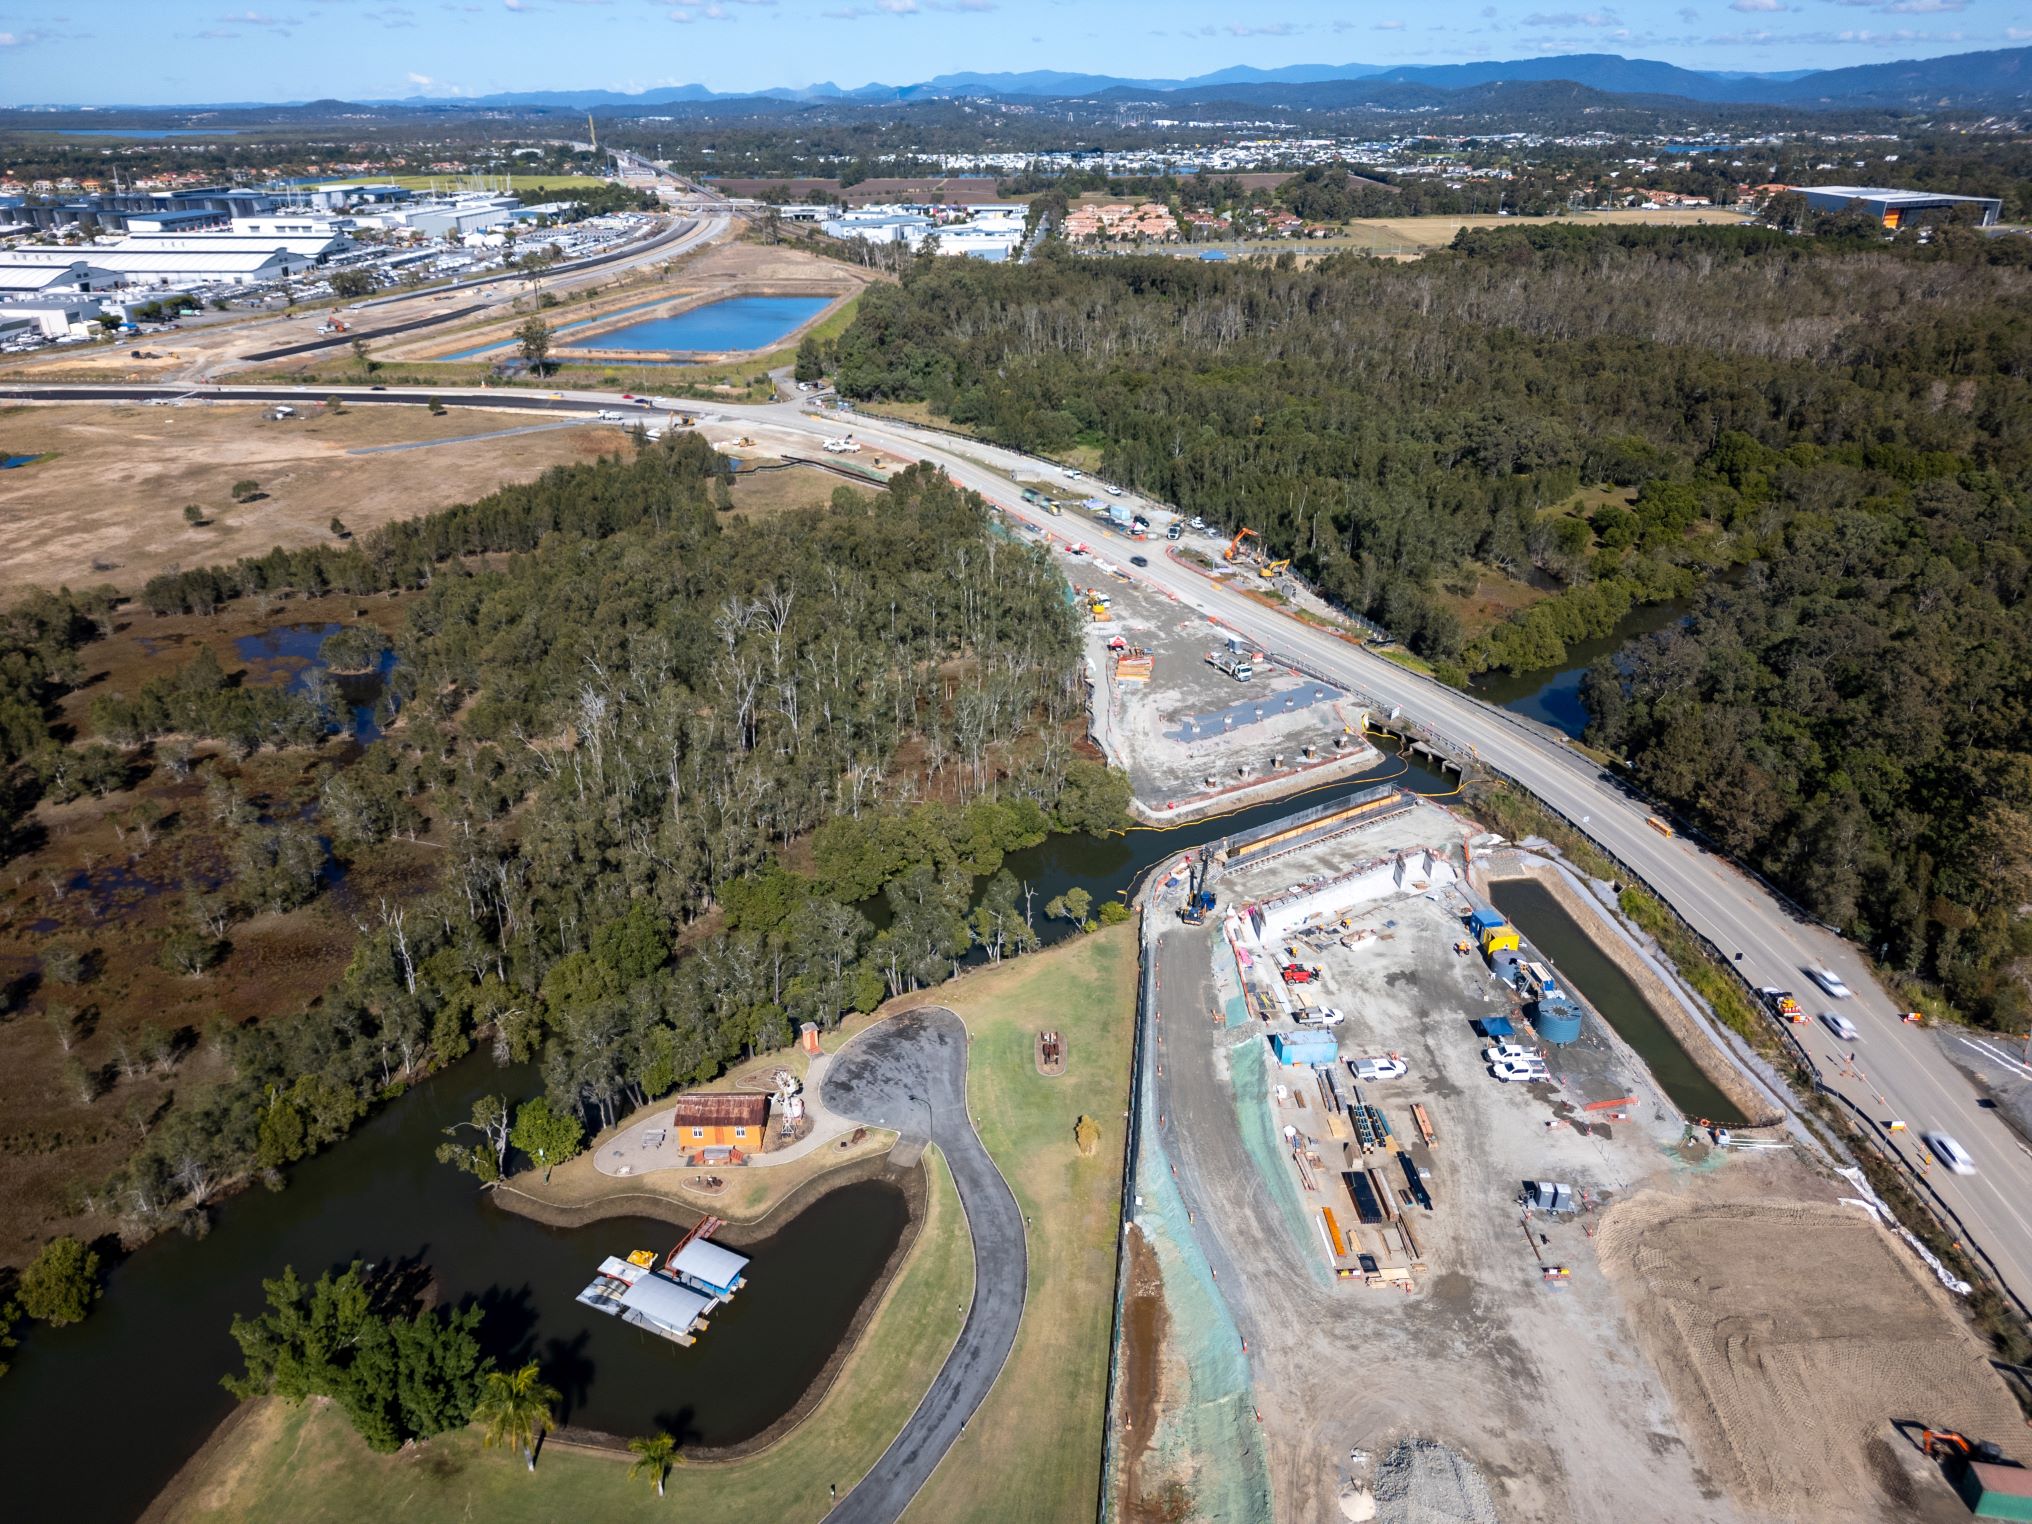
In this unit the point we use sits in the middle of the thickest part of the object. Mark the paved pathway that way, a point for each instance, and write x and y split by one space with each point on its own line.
910 1073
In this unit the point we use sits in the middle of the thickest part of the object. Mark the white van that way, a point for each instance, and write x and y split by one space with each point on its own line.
1840 1025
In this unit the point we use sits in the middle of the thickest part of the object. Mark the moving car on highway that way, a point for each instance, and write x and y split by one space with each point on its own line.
1830 981
1950 1153
1840 1025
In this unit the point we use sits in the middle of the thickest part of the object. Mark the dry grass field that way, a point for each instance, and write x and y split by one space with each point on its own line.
106 503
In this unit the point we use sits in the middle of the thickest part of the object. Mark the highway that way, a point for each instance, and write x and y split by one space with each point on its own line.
1895 1071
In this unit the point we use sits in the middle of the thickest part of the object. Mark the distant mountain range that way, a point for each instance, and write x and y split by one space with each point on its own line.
2002 77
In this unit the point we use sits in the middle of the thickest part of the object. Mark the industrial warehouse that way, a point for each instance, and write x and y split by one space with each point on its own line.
1410 1187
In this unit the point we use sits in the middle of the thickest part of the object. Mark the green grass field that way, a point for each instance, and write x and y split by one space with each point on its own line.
1034 1451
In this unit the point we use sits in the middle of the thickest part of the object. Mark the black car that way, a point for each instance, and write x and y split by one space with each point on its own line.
1139 560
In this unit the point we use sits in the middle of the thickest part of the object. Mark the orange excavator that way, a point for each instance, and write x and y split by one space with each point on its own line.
1235 544
1992 1486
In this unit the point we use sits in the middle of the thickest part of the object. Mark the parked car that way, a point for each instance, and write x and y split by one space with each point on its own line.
1840 1025
1830 981
1528 1070
1388 1067
1505 1052
1950 1153
1113 490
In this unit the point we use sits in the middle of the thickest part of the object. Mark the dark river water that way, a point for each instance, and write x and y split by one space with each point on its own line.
1533 910
149 1358
1551 695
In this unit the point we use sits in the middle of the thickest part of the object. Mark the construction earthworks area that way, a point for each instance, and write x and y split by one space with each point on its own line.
1359 1307
1192 737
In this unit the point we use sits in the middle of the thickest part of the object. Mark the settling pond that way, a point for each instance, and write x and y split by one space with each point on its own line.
737 323
159 1336
1533 910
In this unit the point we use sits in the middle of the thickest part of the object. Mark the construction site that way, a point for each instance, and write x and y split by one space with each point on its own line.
1418 1236
1200 719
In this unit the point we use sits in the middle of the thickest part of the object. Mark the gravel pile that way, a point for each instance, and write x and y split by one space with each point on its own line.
1421 1482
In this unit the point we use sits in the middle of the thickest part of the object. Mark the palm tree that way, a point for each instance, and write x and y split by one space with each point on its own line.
515 1409
654 1456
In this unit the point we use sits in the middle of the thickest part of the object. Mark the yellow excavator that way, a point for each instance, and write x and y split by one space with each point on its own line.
1274 568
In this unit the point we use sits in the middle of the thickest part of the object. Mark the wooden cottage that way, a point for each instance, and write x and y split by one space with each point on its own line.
720 1119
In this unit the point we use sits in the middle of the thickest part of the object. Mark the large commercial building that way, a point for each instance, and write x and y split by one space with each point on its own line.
1896 208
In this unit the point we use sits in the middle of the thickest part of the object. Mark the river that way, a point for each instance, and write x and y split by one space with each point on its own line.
158 1340
157 1343
1551 695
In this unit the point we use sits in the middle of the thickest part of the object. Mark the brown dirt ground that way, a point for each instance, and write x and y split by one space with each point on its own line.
1144 1330
1793 1336
114 493
767 492
1494 599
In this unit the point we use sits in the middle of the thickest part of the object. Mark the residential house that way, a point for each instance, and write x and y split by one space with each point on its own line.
720 1119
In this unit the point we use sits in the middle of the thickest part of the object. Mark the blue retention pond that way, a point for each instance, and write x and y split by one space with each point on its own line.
739 322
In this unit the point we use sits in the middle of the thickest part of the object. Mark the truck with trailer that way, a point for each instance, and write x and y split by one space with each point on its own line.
1233 663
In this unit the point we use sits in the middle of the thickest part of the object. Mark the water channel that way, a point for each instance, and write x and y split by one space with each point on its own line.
1546 923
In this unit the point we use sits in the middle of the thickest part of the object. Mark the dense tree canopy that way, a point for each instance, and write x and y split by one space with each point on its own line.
1612 414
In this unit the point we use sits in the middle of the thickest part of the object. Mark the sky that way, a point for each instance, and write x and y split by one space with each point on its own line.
185 51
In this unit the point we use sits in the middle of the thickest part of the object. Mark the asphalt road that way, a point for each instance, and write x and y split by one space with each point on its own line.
910 1073
1893 1073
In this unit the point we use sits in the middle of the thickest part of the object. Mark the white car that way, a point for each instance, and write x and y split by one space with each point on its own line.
1950 1153
1830 981
1505 1052
1318 1016
1113 490
1072 475
1531 1071
1840 1025
1391 1067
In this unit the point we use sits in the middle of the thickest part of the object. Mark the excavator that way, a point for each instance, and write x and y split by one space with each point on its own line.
1993 1487
1273 568
1199 900
1235 545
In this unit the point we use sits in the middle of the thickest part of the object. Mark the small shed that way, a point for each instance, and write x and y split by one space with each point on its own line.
723 1119
1305 1047
1483 920
1550 1196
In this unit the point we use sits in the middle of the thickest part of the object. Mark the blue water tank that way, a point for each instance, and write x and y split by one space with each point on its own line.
1557 1019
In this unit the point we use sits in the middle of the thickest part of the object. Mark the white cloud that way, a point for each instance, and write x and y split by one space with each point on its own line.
1596 19
1389 26
422 81
513 5
959 5
1756 5
2018 33
1925 7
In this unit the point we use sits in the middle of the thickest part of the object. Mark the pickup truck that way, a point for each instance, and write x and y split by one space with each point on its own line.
1389 1066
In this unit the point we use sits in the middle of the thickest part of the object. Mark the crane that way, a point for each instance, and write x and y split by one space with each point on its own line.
1274 568
1236 543
593 131
1198 898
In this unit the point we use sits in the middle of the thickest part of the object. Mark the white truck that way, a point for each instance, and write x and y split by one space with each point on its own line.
1233 664
844 445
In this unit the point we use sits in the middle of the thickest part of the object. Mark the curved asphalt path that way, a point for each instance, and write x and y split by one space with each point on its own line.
1895 1072
910 1073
